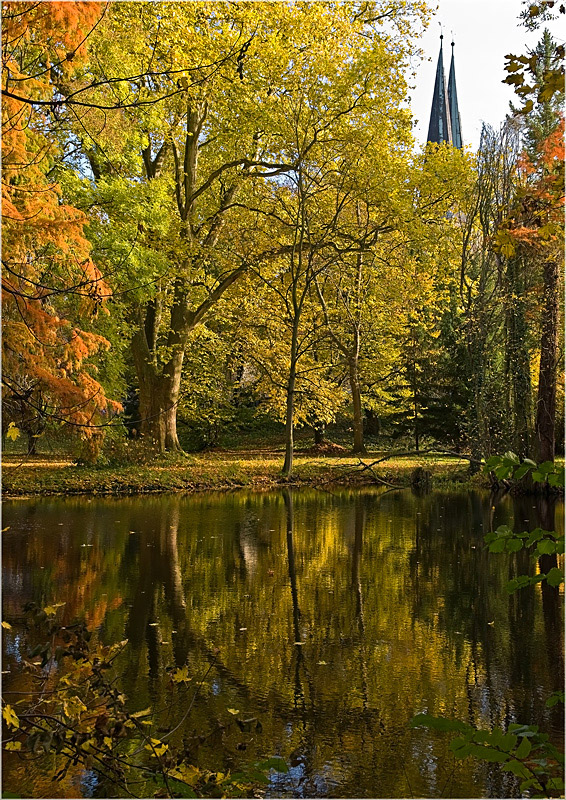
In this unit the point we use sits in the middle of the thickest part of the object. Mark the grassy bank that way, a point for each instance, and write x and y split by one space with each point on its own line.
219 469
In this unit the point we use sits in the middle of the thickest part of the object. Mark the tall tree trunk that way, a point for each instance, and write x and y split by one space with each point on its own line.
159 396
518 361
290 407
355 388
546 400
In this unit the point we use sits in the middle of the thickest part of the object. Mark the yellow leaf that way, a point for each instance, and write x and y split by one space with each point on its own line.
233 710
107 741
52 610
13 746
157 747
10 717
143 713
180 675
13 432
6 625
187 773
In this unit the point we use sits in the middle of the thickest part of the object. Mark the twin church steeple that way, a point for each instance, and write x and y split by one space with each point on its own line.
444 125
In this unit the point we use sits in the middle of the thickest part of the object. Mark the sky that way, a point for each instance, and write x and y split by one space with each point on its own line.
484 32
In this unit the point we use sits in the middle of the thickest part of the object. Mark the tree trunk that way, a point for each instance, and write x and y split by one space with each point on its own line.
518 361
319 429
158 399
289 428
546 400
355 388
373 423
32 447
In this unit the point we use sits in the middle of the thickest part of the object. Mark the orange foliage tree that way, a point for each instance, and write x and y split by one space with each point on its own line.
49 281
535 228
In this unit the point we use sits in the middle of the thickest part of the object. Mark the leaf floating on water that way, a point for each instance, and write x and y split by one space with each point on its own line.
301 643
10 717
322 663
243 629
491 623
180 675
233 711
153 624
52 610
144 713
13 746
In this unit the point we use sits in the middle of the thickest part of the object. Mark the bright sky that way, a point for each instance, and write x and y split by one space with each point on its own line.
484 32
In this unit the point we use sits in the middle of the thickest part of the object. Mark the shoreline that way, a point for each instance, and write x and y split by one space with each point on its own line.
225 471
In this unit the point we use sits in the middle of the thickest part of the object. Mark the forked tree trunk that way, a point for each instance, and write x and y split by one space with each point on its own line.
546 400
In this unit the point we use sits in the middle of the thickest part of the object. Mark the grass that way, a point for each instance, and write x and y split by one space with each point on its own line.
257 468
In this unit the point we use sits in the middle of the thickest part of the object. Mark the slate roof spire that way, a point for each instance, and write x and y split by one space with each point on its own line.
440 125
453 105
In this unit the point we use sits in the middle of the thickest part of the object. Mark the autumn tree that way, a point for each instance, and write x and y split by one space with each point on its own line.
224 133
49 280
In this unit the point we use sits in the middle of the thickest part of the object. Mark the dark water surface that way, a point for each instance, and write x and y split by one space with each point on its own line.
397 607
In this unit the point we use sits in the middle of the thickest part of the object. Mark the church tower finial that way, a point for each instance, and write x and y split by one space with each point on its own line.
440 126
453 105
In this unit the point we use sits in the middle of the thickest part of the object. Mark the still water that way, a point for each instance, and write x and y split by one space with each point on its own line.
331 617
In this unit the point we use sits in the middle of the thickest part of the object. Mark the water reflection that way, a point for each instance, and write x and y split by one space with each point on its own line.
332 618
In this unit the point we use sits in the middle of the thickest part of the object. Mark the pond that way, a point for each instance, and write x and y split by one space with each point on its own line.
331 618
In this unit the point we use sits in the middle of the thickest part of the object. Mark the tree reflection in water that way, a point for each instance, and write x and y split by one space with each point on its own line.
397 607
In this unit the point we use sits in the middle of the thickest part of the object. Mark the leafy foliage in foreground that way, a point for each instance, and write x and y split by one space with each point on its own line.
541 543
521 750
79 714
510 466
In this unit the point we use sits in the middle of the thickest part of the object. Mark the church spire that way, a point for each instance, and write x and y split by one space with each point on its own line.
440 126
453 105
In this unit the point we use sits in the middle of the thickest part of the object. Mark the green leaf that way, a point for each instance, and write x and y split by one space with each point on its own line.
516 767
504 741
535 536
523 730
460 747
521 471
514 545
555 697
502 472
546 547
487 753
538 477
555 576
498 546
524 748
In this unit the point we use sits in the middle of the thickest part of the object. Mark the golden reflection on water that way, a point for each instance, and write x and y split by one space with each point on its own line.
331 618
